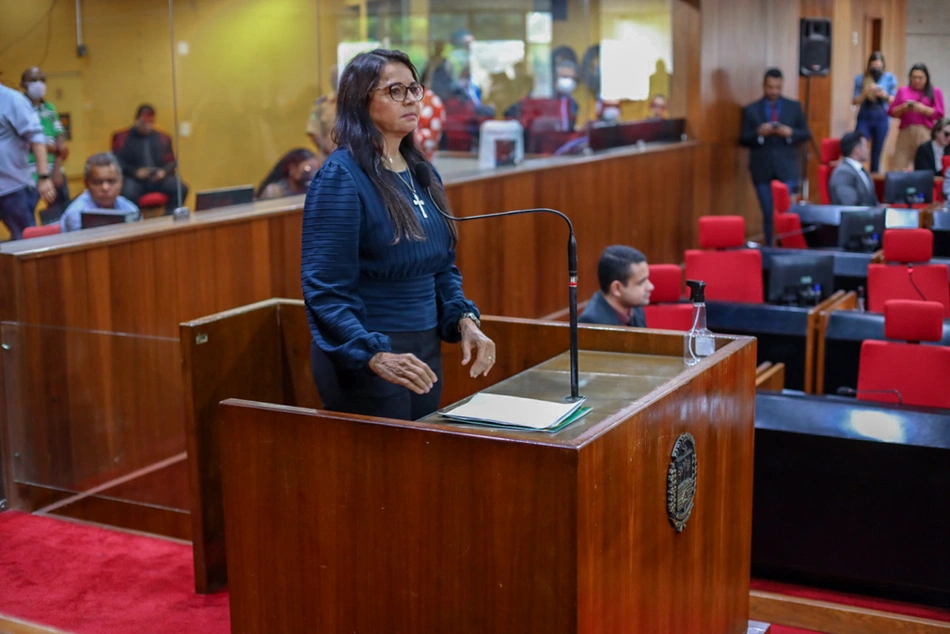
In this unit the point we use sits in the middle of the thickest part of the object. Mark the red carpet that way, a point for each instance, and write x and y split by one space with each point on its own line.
884 605
89 580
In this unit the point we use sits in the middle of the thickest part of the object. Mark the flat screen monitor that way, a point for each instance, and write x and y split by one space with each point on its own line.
224 197
609 135
909 187
862 230
801 279
93 219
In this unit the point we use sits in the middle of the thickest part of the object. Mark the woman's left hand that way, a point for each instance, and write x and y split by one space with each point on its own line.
484 348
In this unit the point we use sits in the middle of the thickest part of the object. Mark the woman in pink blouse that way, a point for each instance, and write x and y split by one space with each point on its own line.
917 106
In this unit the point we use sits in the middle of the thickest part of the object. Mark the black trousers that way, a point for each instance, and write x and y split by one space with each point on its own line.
366 393
133 189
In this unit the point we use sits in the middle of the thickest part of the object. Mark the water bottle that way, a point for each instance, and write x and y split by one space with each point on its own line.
698 342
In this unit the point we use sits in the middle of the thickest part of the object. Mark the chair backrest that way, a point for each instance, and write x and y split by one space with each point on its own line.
790 225
916 372
830 150
897 280
733 275
45 230
669 316
667 280
824 176
945 164
781 199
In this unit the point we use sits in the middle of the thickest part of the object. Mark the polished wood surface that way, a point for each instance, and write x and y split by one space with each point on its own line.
456 514
835 618
769 376
262 352
9 625
848 301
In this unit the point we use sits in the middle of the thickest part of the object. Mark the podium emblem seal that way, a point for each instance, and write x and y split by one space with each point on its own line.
681 481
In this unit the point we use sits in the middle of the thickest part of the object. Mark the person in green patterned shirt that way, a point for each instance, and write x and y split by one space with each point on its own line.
33 82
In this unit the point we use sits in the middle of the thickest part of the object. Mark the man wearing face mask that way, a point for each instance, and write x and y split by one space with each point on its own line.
608 111
565 83
21 132
33 82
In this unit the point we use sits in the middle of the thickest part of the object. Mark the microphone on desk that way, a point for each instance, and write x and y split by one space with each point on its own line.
850 391
424 175
751 244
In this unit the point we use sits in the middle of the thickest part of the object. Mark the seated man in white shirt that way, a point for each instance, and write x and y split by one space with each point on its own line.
103 177
850 184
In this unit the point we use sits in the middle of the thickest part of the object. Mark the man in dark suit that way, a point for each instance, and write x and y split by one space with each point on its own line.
625 287
772 128
850 183
930 154
147 160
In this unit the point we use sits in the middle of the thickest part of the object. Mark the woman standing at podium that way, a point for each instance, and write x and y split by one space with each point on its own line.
378 265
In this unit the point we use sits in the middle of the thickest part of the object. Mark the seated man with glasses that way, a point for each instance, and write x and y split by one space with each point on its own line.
930 154
103 177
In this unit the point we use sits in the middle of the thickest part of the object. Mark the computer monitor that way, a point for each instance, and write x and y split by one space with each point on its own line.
101 218
861 230
224 197
802 279
909 187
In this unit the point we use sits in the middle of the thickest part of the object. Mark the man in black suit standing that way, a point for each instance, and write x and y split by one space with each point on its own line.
773 127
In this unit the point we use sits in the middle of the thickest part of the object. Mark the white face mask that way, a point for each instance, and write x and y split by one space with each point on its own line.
611 113
566 85
36 89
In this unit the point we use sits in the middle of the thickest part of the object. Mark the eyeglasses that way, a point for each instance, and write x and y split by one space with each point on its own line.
944 132
398 92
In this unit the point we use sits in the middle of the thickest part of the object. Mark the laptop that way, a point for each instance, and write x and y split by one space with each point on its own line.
224 197
103 217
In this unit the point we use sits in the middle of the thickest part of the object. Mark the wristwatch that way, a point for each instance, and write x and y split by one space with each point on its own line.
42 177
471 316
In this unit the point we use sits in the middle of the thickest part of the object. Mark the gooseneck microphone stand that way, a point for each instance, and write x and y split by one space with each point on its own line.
424 175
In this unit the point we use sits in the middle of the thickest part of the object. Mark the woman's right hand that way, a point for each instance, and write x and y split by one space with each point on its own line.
405 370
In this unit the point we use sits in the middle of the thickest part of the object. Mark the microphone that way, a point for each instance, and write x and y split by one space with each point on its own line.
910 276
850 391
780 236
424 175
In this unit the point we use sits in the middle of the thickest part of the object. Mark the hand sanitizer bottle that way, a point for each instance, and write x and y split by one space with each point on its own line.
698 342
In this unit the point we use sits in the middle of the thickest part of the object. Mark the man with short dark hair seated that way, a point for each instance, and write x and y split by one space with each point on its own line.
148 160
625 288
850 183
103 178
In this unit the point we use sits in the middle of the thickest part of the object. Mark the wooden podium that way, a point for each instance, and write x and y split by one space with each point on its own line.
339 523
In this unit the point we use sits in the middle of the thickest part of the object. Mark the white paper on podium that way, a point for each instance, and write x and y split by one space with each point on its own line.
513 411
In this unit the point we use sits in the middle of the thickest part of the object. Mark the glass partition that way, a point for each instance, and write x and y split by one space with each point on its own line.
82 423
100 76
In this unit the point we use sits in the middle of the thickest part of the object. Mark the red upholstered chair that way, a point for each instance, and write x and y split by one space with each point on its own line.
732 273
665 310
45 230
896 279
784 223
917 372
152 204
830 153
938 184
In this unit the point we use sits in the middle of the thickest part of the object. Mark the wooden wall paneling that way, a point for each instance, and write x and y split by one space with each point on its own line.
299 387
235 354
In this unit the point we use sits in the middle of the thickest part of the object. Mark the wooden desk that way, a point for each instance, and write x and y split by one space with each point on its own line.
340 523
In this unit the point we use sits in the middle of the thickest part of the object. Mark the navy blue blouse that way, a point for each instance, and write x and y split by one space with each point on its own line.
357 284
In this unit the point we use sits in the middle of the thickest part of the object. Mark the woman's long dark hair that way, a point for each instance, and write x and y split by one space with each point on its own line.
355 131
282 169
928 89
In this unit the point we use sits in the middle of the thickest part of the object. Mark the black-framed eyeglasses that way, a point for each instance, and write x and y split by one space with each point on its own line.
944 132
398 92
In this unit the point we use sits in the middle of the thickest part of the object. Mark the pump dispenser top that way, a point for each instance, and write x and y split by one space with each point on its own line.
697 291
698 342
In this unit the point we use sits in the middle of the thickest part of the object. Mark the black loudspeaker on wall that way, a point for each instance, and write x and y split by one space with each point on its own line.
814 48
